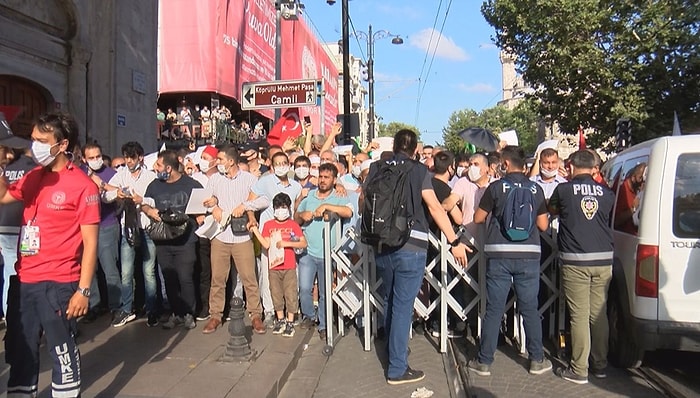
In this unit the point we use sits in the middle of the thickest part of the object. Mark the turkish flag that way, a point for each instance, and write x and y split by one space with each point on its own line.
287 126
581 139
10 112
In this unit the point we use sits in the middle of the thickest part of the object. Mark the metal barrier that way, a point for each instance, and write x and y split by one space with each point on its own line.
356 291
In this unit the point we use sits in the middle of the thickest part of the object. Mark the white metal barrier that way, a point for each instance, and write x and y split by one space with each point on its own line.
356 291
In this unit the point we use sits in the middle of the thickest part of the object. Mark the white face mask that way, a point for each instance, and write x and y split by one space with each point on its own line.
96 164
301 172
281 213
281 171
313 172
548 173
221 168
356 170
474 173
460 171
204 165
42 153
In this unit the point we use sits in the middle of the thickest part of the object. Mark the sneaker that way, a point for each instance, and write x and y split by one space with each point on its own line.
598 373
173 321
323 335
203 316
569 375
189 321
307 323
279 327
152 320
479 368
538 368
90 317
270 319
288 330
410 376
121 318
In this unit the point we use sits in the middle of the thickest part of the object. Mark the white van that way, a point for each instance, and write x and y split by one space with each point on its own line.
654 300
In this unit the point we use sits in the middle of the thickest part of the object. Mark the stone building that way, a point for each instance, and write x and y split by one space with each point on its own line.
93 59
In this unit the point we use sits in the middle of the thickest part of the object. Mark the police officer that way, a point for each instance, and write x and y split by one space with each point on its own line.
586 252
58 247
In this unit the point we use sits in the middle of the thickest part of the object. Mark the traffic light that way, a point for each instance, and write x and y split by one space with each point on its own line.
623 134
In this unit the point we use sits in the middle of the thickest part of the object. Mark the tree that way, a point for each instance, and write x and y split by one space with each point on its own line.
388 130
523 119
592 62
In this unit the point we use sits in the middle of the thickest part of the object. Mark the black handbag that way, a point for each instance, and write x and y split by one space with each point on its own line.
172 226
239 225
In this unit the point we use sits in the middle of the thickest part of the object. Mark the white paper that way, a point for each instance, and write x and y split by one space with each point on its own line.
210 229
385 144
149 160
343 149
196 203
275 255
547 144
510 137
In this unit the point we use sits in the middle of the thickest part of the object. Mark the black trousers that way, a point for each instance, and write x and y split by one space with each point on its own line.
33 308
203 274
177 264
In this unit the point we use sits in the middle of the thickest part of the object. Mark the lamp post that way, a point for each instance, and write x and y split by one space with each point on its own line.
370 38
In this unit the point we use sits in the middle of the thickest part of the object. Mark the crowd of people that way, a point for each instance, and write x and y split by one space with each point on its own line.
255 233
202 123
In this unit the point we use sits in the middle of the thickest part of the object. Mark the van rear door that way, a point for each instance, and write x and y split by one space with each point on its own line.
679 232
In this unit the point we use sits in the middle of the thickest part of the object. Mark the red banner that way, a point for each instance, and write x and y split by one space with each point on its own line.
217 45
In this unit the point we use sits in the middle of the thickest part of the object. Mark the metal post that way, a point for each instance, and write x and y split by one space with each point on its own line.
237 348
444 252
278 50
370 79
346 74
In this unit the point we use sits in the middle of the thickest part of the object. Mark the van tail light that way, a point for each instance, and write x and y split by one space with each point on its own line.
646 281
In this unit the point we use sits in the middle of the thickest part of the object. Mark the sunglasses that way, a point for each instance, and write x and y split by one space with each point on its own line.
116 166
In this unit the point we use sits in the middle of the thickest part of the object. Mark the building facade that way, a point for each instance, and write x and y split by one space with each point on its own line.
93 59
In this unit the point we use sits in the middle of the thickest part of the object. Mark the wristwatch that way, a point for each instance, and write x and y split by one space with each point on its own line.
455 242
85 291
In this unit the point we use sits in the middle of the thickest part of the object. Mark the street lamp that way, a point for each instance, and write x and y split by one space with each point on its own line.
370 38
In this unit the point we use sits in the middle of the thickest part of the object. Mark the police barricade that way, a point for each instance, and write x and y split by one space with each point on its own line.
355 288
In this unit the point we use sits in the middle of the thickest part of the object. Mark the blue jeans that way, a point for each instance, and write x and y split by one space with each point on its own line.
8 246
148 253
524 275
402 278
309 268
108 254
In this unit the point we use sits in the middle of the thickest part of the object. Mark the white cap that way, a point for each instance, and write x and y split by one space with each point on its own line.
365 164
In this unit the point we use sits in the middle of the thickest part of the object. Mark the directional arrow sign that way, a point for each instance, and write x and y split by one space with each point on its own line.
279 94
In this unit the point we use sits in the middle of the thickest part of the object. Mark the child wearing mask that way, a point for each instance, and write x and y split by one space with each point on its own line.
285 234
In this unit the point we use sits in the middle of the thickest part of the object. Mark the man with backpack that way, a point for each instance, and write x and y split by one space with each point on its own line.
394 221
512 244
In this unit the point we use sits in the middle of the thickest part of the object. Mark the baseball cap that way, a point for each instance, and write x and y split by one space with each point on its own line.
8 138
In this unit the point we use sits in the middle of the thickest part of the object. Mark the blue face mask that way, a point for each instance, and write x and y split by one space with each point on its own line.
163 175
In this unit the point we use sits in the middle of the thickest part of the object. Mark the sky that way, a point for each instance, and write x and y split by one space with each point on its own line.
412 86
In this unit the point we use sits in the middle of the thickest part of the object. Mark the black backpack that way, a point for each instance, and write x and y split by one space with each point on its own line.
385 216
519 214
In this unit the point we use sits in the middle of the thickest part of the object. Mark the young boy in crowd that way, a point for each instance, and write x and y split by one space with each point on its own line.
280 237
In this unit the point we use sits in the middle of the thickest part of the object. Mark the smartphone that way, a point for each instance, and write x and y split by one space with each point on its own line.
126 191
307 119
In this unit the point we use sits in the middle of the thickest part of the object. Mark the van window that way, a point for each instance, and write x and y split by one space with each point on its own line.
686 197
629 193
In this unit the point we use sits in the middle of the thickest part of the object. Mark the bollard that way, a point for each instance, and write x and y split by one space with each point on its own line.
237 348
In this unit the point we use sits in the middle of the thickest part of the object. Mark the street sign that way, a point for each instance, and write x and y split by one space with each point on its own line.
279 94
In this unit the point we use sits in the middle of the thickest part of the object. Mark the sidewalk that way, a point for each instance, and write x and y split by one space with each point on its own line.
510 378
352 372
136 361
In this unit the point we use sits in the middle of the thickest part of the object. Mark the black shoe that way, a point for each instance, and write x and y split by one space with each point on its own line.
569 375
203 315
322 335
410 376
307 323
90 317
152 320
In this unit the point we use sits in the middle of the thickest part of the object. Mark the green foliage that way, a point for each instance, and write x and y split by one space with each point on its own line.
592 62
523 119
388 130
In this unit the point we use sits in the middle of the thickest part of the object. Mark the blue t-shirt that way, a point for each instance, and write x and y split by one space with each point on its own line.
269 186
313 231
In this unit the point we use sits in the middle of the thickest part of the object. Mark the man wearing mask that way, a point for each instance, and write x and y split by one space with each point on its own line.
260 198
171 190
207 169
230 187
107 243
547 163
58 247
471 188
302 175
130 185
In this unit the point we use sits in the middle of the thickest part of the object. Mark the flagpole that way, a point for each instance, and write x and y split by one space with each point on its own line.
322 118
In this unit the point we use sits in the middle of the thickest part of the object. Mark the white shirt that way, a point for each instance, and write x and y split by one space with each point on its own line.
231 192
136 184
548 186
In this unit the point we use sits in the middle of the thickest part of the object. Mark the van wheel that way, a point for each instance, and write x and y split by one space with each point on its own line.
623 351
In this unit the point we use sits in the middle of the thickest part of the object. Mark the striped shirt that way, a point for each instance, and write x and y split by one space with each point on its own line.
231 192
